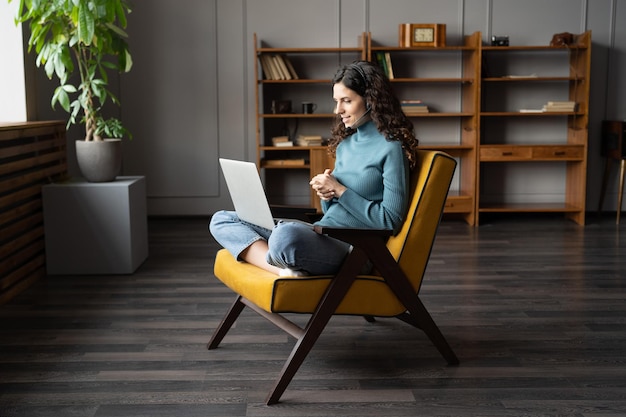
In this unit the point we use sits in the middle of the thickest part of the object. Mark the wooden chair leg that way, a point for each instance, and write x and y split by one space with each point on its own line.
335 292
419 316
299 353
620 192
226 324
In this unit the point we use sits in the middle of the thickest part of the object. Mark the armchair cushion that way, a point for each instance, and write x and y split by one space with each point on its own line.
369 295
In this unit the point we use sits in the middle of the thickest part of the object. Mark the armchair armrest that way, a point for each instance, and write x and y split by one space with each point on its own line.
307 214
354 236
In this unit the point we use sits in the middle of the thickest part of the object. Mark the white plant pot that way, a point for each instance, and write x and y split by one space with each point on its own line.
99 161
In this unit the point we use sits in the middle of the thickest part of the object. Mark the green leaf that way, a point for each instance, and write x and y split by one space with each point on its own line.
48 66
60 96
66 59
120 11
117 30
128 62
69 88
59 66
109 65
86 25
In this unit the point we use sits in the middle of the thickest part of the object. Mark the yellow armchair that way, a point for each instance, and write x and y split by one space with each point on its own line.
390 291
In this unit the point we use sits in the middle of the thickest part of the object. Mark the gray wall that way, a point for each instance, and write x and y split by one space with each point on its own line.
190 96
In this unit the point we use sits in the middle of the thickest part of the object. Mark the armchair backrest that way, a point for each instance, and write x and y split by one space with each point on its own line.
430 182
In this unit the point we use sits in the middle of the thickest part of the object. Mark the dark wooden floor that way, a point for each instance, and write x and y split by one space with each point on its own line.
535 308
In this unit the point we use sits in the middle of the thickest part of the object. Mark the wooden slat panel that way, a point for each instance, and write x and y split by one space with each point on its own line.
15 242
21 148
25 282
37 177
31 129
31 154
16 197
20 211
34 248
21 263
32 162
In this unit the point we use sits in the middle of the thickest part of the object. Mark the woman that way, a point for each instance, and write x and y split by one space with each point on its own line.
374 145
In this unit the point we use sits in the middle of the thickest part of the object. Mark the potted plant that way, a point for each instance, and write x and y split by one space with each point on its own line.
84 38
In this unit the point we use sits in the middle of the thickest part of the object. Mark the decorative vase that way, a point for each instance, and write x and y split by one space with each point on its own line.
99 161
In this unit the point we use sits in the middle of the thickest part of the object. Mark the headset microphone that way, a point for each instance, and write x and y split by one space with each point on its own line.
359 121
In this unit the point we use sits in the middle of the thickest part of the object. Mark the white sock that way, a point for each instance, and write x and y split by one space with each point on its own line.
288 272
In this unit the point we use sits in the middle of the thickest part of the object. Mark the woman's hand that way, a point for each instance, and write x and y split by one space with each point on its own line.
326 186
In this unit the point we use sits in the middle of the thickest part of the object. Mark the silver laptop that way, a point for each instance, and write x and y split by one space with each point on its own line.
247 193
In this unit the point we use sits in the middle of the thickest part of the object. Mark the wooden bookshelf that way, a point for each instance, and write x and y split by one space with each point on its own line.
565 148
475 95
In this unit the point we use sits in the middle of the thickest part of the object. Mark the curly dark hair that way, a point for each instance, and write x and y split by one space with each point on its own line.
370 82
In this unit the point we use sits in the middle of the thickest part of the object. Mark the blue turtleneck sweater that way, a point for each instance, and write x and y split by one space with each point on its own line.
376 174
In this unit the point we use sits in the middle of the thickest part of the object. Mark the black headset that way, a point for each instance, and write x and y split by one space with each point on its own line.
355 66
358 69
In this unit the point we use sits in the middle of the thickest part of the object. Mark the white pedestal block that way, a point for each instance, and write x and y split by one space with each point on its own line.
95 228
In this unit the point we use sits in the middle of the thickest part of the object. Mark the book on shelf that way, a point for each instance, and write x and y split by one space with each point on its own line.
384 61
561 103
309 140
282 67
281 141
514 77
284 162
560 106
290 67
389 66
277 67
269 67
416 110
414 106
554 107
265 66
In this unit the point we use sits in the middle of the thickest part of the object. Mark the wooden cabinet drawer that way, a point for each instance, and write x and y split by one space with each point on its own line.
531 153
558 152
505 152
458 204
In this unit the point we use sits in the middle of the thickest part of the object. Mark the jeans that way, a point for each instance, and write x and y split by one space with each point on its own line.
292 244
